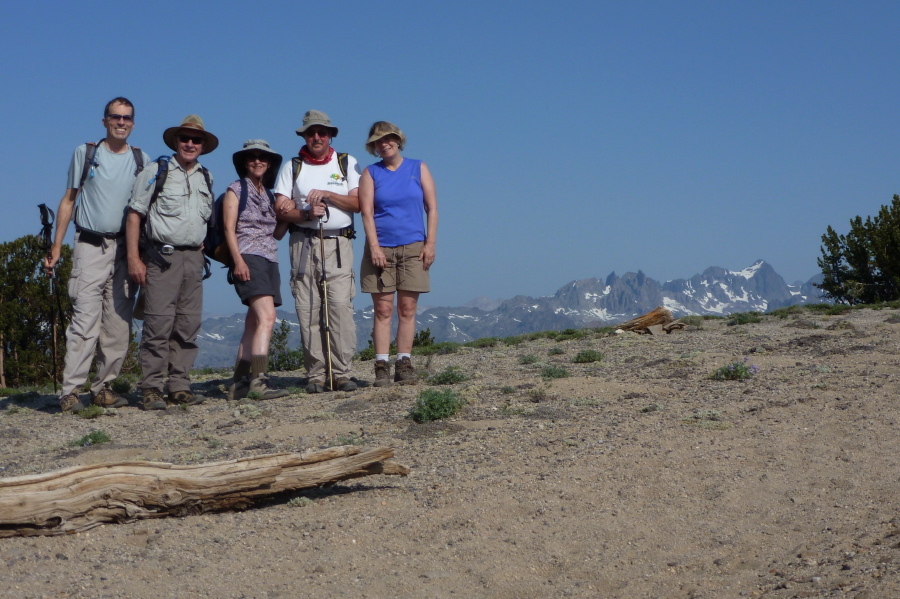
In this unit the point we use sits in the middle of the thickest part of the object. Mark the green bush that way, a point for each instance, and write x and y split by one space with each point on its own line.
744 318
281 358
423 338
92 438
587 356
483 342
442 348
554 372
450 376
433 404
736 371
528 359
556 351
91 411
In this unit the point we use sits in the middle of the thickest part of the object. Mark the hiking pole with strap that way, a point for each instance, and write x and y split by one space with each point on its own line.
46 235
329 373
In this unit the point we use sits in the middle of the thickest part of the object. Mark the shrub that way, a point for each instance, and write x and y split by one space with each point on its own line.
507 389
516 340
587 356
280 357
483 342
555 351
450 376
744 318
122 384
432 404
91 411
554 372
736 371
527 359
442 348
423 338
92 438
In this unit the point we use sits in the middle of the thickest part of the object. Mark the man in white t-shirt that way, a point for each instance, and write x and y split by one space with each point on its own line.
102 293
319 187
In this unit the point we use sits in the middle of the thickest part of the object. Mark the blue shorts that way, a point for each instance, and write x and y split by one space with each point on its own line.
265 279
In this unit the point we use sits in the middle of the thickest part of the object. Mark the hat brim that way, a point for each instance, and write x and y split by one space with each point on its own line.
211 142
240 165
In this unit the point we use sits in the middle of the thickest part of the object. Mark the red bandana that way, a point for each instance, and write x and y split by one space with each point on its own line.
308 158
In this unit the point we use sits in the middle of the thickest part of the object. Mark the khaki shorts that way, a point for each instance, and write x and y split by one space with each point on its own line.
404 271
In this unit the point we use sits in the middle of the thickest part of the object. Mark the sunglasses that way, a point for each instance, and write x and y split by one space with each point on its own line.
319 132
197 141
257 156
120 117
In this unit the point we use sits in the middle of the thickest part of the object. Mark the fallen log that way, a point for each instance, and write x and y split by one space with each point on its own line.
655 322
81 497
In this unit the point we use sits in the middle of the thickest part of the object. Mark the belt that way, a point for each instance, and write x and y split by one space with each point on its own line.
96 239
311 235
348 232
167 249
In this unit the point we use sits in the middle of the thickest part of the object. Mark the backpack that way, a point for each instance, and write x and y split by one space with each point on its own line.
343 164
215 245
90 153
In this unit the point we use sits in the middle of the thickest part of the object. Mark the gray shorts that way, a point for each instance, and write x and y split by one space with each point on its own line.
404 271
264 280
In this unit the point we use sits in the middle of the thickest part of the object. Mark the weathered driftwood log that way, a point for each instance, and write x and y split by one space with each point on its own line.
82 497
655 322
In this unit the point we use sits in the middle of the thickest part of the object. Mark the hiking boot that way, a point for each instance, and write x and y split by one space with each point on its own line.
153 399
382 374
262 388
185 398
107 398
239 389
404 373
343 384
315 387
70 403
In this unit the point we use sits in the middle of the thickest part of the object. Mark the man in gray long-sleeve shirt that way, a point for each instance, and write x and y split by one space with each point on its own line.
169 266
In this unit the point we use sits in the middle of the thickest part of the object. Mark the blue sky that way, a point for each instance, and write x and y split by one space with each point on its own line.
567 139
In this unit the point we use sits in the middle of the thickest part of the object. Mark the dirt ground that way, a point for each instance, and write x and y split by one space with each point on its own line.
635 476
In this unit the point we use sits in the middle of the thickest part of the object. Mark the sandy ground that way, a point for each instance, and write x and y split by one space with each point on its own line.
635 476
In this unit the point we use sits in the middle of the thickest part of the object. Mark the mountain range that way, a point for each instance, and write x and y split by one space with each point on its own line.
581 303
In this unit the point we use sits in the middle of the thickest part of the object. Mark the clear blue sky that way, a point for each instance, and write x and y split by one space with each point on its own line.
567 139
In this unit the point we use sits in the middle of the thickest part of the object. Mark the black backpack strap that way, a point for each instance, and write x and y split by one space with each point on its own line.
206 176
343 162
90 152
138 160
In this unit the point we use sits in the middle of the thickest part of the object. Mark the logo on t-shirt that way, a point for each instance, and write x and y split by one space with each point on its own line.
336 179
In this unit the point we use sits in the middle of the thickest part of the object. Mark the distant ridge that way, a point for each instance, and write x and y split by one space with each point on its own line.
581 303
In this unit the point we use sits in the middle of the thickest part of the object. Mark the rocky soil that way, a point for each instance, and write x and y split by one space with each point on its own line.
634 476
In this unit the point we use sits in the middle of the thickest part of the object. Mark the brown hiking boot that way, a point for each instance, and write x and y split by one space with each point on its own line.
153 399
404 373
382 374
107 398
315 387
261 387
185 398
70 403
239 389
342 383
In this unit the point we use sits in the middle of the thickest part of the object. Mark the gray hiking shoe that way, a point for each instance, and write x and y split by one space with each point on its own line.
107 398
261 387
342 383
239 389
185 398
153 399
404 373
315 387
382 374
70 403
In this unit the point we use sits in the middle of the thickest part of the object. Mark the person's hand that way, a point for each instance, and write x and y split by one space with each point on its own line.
378 257
316 197
50 260
137 270
241 271
427 256
284 205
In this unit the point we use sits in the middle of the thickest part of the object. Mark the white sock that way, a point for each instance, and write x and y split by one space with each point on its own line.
382 357
401 356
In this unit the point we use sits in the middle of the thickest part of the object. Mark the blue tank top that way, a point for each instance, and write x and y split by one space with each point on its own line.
399 203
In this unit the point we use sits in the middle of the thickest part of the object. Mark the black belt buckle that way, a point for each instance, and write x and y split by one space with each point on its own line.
167 249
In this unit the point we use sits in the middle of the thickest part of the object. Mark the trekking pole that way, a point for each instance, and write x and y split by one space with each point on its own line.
46 235
329 373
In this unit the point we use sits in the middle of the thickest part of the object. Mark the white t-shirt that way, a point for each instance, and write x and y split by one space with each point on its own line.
327 177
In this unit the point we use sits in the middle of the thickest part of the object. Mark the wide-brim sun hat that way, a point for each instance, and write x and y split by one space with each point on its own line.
380 130
192 125
316 117
259 145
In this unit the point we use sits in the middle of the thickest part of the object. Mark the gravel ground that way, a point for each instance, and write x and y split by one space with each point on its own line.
634 476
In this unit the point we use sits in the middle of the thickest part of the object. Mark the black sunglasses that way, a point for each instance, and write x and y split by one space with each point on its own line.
197 141
120 117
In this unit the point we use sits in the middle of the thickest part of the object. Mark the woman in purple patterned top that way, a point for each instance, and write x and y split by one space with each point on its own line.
252 232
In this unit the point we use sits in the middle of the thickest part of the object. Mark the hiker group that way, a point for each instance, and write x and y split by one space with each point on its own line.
145 230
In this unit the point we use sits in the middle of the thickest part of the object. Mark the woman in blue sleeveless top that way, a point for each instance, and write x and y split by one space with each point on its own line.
398 203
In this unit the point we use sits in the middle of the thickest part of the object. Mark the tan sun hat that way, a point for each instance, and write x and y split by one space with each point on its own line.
316 117
259 145
192 124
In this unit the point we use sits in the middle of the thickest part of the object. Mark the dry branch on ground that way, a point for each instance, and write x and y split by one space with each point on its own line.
82 497
655 322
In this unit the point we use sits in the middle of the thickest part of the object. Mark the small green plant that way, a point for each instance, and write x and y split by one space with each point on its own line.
744 318
568 334
736 371
282 358
299 502
587 356
122 384
349 439
6 391
693 321
556 351
442 348
423 338
528 359
366 354
92 438
483 342
539 394
554 372
507 389
450 376
432 404
711 419
254 395
515 340
10 410
91 411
